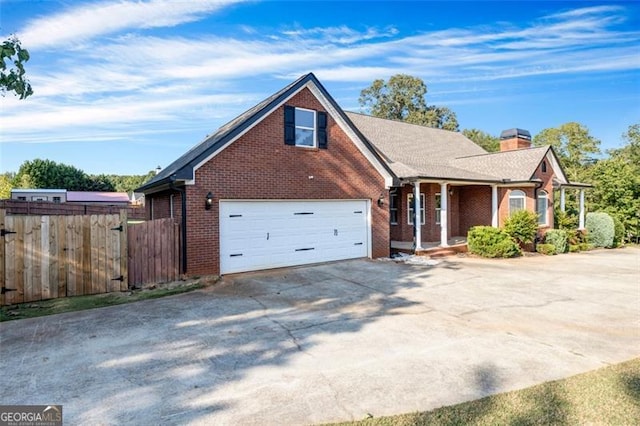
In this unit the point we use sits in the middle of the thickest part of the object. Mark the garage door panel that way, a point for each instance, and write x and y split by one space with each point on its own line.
260 235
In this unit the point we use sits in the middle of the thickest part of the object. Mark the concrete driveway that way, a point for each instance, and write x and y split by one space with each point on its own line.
330 342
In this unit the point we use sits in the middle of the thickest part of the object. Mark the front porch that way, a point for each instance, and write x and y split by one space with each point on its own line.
455 245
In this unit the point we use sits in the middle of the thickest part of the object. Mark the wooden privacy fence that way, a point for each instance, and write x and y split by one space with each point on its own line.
46 257
154 252
21 207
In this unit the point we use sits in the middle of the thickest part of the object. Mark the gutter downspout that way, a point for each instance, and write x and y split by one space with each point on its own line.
392 190
535 198
183 198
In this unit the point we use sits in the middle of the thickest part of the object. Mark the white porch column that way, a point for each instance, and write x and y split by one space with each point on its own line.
494 206
562 199
581 216
417 223
444 234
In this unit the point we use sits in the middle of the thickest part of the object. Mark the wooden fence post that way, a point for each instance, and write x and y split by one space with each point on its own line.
124 251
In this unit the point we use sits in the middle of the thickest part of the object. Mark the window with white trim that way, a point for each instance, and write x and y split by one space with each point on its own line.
393 208
57 199
543 205
411 205
438 207
22 198
517 200
305 127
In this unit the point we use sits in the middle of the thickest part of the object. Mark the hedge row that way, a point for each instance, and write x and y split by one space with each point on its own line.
602 230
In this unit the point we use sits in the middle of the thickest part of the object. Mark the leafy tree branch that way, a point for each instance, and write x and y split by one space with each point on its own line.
12 72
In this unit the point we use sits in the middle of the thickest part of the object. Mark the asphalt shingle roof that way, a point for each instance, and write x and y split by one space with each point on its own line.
419 151
517 165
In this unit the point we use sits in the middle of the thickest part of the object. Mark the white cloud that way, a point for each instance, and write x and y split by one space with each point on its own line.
78 24
340 35
133 83
42 121
586 11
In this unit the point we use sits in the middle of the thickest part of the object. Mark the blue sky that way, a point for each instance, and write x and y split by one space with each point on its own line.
121 87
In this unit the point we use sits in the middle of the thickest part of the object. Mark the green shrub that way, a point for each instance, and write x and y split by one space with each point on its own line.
558 238
546 248
600 228
522 226
585 246
566 221
487 241
574 248
618 232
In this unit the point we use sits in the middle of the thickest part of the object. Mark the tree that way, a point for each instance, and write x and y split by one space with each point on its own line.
616 190
573 144
616 182
435 116
485 140
12 76
630 152
49 174
99 183
128 183
403 98
5 185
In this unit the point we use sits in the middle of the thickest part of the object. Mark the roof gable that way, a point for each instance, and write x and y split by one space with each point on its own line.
517 165
183 169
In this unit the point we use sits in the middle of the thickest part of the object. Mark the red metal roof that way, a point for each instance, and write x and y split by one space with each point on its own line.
97 197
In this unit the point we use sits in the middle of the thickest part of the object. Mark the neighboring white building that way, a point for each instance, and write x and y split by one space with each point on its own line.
54 195
64 196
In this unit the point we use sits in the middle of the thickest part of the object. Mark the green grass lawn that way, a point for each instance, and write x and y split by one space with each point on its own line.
608 396
79 303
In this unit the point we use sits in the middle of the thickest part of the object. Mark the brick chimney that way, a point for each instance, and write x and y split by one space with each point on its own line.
513 139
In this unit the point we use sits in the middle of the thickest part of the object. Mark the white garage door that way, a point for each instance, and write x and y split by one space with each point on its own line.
271 234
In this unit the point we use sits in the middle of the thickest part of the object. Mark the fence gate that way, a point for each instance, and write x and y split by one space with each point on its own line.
45 257
154 252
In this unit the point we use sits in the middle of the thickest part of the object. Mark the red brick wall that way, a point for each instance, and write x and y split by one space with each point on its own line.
503 202
475 207
402 231
454 212
159 205
514 143
531 194
547 185
260 166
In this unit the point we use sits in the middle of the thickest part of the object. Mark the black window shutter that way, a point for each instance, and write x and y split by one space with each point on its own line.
289 125
322 130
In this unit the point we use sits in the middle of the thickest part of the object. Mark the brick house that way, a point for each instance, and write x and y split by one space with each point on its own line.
296 180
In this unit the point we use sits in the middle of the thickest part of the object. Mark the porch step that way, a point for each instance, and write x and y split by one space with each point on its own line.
438 252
